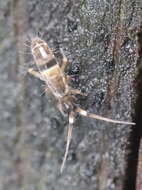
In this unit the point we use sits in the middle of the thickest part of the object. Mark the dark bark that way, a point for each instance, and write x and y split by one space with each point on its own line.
100 39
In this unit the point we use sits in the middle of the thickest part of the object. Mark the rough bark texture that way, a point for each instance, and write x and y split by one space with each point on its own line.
100 41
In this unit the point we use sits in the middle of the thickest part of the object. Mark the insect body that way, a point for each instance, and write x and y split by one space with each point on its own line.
57 83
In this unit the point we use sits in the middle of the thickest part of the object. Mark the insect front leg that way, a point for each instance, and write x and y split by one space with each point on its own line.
69 136
35 73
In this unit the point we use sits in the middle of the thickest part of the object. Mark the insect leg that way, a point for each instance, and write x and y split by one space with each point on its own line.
34 73
75 91
60 107
69 136
64 61
68 78
85 113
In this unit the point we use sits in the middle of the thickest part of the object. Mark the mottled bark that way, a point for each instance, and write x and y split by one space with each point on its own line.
101 40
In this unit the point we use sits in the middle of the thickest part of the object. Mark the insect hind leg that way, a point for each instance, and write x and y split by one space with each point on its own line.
69 136
94 116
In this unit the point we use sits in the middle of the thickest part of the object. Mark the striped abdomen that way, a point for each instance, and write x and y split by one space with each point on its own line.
48 67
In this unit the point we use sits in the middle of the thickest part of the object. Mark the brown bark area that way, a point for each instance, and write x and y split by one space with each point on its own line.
139 109
100 39
139 169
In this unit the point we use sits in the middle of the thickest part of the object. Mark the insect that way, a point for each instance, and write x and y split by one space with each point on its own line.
57 84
